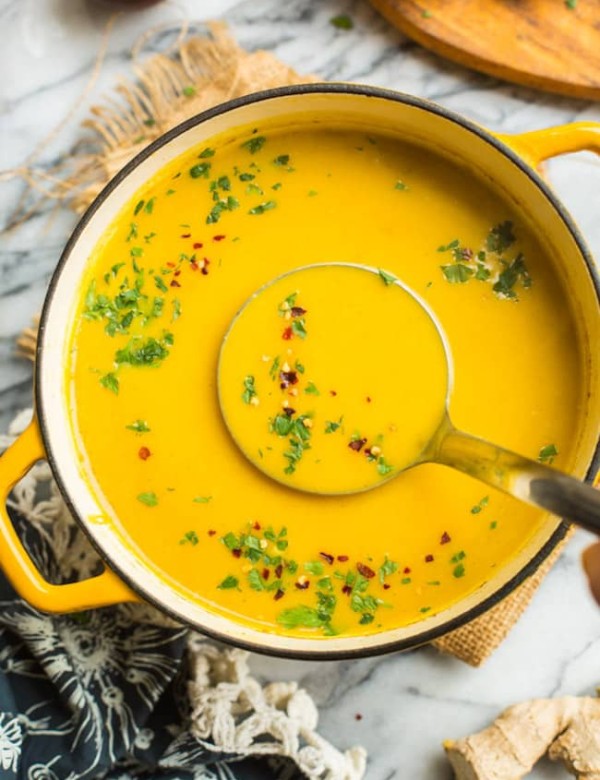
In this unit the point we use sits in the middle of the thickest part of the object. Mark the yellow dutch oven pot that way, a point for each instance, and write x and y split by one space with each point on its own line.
508 162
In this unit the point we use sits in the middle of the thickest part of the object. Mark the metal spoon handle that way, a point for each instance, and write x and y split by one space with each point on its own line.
521 477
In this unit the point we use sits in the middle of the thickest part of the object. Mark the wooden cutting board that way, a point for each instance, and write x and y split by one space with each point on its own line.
540 43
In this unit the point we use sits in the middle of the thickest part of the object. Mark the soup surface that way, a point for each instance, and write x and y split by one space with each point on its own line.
162 290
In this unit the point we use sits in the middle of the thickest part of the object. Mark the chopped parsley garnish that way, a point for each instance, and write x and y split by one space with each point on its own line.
176 304
547 453
301 616
110 382
208 152
254 144
331 426
516 271
200 170
386 277
314 567
149 207
458 273
149 499
475 510
449 247
459 571
202 499
299 327
342 22
311 389
400 185
262 207
387 567
246 176
160 284
139 206
189 91
191 537
282 159
249 390
254 189
145 352
133 231
229 583
383 468
500 237
139 426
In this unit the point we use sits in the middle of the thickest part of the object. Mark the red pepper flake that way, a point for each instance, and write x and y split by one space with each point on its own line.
302 585
326 557
428 558
279 571
288 378
287 334
197 245
342 558
365 570
177 273
265 574
297 311
332 393
236 552
368 399
445 538
194 265
358 716
174 283
386 586
170 265
218 238
278 594
205 264
256 525
211 532
357 444
406 570
144 453
186 235
347 590
289 411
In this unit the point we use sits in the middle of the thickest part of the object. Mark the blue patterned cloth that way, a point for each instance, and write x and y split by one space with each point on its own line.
99 695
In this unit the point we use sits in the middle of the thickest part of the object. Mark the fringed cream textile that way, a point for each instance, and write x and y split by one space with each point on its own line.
230 708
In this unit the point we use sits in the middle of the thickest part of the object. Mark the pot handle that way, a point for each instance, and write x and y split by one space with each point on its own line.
539 145
99 591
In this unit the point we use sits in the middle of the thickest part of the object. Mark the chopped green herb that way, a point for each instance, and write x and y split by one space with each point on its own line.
311 389
449 247
475 510
200 170
254 144
160 284
482 273
254 189
459 571
493 525
459 556
458 273
229 583
246 176
276 186
342 22
148 238
387 567
425 609
298 327
500 237
224 183
145 353
262 207
282 159
386 277
136 251
202 499
314 567
149 499
547 453
332 427
191 537
133 231
208 152
249 390
149 207
508 278
300 616
189 91
571 4
255 581
400 185
176 303
139 426
138 208
110 382
299 367
383 467
171 192
426 14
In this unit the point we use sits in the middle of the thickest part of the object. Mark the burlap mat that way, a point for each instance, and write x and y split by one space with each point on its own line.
201 72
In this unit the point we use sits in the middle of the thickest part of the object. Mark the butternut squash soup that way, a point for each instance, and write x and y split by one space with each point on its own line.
320 390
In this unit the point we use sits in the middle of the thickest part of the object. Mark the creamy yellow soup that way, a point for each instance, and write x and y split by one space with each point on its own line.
161 293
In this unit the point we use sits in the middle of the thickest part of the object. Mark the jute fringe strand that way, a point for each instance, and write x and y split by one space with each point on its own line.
201 72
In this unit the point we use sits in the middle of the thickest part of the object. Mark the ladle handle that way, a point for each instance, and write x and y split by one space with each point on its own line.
521 477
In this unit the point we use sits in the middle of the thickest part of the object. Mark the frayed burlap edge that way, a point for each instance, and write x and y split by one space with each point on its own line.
202 72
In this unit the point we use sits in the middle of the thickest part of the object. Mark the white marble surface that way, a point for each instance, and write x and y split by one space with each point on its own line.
409 702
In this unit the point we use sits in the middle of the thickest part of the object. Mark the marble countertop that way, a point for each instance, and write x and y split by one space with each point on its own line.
408 702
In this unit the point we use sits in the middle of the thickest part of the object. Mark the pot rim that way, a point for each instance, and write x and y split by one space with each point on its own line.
322 653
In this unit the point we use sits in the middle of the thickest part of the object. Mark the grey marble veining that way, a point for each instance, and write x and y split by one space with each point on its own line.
407 703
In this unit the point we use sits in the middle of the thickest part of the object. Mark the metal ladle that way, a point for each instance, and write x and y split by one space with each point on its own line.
525 479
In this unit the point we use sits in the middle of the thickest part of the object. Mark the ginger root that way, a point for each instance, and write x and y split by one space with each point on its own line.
568 729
